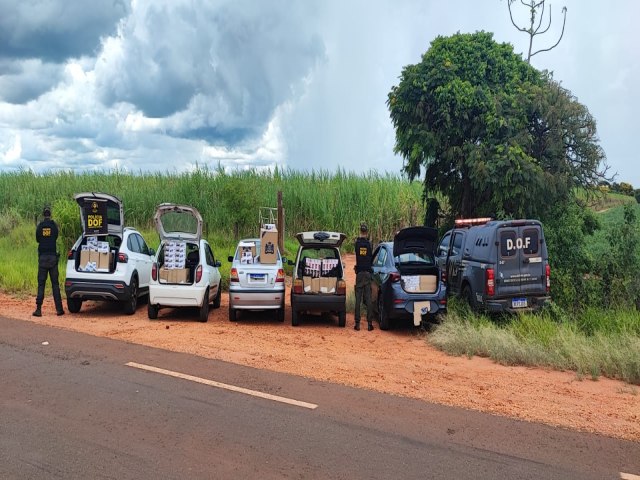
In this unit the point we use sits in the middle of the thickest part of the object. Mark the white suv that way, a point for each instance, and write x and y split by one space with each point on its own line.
185 272
124 274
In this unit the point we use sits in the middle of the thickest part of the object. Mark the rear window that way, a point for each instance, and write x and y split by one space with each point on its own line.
510 243
174 222
422 258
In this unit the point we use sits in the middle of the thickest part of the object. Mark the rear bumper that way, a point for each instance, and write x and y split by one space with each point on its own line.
256 299
176 295
81 289
404 308
318 302
504 305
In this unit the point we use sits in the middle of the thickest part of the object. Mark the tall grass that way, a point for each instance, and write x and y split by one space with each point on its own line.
593 343
316 200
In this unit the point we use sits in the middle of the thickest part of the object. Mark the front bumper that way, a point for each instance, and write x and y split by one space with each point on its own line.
81 289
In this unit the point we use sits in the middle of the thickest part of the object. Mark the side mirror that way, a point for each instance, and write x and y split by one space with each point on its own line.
217 264
152 252
284 260
291 262
230 258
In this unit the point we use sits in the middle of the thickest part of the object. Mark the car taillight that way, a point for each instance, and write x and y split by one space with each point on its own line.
341 287
298 287
233 276
280 276
490 282
154 271
123 258
70 254
198 273
547 273
394 277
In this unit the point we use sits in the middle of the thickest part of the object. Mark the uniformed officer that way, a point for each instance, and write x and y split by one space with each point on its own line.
46 236
363 276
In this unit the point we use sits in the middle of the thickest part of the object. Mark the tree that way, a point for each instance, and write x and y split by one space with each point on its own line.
534 30
492 134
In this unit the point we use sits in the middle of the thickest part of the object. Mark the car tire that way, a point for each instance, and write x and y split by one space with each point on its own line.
74 305
216 301
152 311
295 319
342 319
280 314
204 309
467 295
233 315
383 317
131 303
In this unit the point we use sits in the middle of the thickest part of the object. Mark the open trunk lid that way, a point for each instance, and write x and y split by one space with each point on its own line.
415 240
320 239
178 222
100 214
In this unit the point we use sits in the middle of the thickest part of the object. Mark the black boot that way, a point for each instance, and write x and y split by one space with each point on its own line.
37 312
370 326
60 311
357 326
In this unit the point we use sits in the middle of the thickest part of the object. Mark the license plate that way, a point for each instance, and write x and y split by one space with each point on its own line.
257 277
519 303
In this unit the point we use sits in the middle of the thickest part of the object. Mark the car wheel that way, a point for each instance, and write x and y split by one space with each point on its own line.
204 309
233 315
216 301
74 305
131 304
295 319
468 296
342 319
152 311
383 317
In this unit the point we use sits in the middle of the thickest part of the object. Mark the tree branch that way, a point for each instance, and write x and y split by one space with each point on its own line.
564 10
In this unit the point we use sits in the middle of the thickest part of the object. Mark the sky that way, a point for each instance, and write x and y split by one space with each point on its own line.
175 85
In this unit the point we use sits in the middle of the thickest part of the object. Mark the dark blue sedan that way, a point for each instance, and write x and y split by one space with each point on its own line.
407 283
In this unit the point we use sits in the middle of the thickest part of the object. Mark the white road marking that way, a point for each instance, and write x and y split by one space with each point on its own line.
233 388
629 476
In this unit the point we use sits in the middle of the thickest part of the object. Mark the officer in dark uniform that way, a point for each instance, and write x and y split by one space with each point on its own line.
364 255
46 236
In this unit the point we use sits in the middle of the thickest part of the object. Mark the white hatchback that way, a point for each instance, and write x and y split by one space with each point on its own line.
185 272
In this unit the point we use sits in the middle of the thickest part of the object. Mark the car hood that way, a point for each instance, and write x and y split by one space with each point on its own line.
178 222
100 213
415 239
320 239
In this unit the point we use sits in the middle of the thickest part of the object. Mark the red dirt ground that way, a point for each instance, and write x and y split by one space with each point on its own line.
399 362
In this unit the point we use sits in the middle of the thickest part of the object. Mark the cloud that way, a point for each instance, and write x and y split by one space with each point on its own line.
211 70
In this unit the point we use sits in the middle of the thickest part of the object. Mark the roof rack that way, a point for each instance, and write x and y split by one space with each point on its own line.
469 222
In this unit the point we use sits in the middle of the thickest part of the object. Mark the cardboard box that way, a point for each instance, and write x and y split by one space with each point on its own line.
306 284
104 261
94 257
249 247
428 283
315 285
84 258
164 275
419 309
268 246
179 275
328 284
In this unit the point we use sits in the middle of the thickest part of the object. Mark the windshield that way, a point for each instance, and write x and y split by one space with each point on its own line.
174 222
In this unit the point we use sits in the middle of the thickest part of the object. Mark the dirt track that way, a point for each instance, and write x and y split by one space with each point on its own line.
399 362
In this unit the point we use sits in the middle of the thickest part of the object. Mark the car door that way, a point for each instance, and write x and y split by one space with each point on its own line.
454 262
380 269
138 261
213 274
145 260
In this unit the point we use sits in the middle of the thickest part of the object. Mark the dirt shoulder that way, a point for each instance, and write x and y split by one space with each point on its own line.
399 362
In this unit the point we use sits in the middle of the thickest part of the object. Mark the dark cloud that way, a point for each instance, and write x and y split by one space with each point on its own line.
25 80
228 66
54 31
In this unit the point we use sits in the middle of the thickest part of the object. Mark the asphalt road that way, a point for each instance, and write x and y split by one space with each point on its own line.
77 408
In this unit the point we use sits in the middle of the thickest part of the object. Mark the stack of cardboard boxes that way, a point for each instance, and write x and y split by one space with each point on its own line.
316 277
268 244
420 283
95 256
247 252
174 268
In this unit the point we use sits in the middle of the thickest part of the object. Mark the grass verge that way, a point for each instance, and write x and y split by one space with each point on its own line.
593 343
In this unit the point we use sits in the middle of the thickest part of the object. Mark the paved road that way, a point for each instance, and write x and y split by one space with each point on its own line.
77 409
